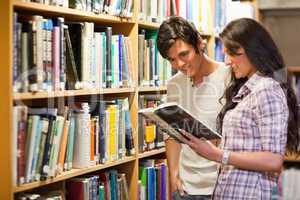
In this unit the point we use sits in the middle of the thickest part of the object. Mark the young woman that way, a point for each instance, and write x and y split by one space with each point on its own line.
259 122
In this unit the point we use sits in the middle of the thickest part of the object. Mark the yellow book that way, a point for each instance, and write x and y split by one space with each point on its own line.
150 133
112 110
92 125
63 145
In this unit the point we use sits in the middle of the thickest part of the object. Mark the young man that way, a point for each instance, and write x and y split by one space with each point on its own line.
198 87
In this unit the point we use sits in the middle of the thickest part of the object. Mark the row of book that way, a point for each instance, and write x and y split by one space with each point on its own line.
121 8
207 16
48 141
199 12
228 10
150 135
153 180
153 69
51 55
109 185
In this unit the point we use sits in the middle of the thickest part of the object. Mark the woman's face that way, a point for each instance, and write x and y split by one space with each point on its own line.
240 64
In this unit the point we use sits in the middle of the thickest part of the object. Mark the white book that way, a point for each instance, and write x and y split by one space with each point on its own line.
39 50
70 145
172 118
36 148
82 143
97 60
56 144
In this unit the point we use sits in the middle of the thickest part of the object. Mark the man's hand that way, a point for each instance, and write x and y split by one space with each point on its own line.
176 185
173 150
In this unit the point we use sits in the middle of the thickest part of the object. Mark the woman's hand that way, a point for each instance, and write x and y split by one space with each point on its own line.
262 161
203 147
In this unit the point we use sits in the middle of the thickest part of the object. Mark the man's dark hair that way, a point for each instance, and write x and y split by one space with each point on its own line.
176 28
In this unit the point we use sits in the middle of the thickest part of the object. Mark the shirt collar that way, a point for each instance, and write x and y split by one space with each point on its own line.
247 87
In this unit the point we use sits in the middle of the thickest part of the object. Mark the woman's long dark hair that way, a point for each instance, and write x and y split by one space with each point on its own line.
265 56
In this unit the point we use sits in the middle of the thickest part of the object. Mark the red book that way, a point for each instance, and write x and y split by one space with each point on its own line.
21 152
75 190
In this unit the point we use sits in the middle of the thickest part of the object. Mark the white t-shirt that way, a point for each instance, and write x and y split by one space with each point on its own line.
198 174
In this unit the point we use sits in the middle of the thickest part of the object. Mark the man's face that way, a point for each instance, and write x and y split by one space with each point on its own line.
184 58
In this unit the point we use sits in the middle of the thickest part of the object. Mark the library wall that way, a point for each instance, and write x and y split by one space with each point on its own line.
284 26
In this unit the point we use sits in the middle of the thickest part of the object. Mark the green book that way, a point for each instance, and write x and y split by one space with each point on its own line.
101 192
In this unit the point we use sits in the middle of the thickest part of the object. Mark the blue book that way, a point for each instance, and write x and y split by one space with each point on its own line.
120 43
163 182
113 184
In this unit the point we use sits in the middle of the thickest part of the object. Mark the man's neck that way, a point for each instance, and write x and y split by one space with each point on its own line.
206 67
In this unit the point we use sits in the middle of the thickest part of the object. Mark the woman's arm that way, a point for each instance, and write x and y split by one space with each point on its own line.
256 161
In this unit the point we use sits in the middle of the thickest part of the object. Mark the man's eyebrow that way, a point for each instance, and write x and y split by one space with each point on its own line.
183 52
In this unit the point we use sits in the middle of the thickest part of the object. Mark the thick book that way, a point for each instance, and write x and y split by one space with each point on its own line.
172 118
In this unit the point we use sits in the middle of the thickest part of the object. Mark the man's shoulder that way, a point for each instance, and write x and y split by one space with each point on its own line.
178 83
178 77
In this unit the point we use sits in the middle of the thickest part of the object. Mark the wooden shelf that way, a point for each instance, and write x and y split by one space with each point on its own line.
71 174
292 158
153 89
152 153
67 12
148 25
67 93
294 69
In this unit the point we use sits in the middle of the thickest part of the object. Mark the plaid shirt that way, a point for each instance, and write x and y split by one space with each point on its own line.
258 123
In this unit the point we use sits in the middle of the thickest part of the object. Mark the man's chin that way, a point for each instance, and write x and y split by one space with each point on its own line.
185 73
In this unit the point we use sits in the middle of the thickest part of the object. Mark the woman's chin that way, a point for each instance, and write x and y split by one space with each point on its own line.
238 76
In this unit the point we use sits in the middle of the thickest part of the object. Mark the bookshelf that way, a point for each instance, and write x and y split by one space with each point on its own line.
71 174
151 153
160 89
68 13
68 93
128 27
293 69
292 158
148 25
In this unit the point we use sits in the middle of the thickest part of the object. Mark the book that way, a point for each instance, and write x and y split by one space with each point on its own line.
172 118
72 75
